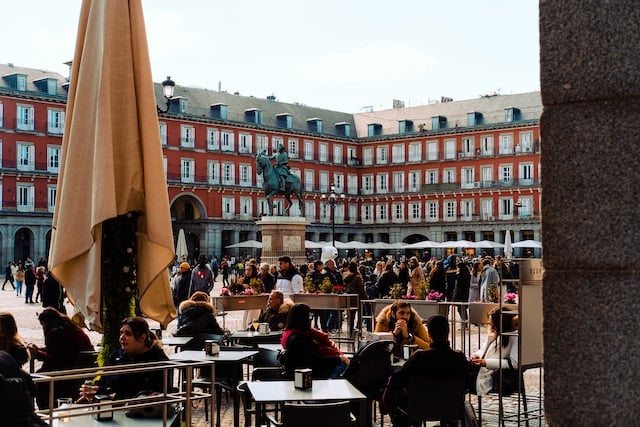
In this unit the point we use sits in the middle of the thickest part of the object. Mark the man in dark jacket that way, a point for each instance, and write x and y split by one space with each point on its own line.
439 361
30 282
181 287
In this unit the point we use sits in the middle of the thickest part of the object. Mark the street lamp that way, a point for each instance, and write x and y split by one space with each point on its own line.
168 86
332 198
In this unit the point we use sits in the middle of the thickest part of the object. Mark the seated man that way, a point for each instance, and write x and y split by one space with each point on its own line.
277 310
405 324
439 361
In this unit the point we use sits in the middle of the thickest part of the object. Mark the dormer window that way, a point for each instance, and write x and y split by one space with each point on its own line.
285 120
405 126
343 129
253 115
374 129
438 122
511 114
218 111
47 85
315 125
474 118
21 82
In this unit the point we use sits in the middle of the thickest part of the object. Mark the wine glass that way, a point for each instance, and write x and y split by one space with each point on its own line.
255 325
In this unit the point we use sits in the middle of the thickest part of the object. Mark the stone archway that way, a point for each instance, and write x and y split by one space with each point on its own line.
23 244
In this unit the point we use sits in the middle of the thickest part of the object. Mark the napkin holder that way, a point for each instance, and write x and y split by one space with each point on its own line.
302 379
103 403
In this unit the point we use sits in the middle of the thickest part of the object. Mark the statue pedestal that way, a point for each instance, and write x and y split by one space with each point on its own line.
283 235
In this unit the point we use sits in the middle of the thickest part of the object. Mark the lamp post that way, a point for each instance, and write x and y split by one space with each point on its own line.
332 198
168 86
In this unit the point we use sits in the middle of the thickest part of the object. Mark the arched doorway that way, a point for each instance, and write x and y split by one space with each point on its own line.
23 244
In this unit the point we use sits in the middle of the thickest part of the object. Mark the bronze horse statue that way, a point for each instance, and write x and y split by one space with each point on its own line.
271 184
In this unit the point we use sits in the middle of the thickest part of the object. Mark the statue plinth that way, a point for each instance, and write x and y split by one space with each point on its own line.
283 235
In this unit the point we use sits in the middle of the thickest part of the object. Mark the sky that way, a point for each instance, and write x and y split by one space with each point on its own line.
343 55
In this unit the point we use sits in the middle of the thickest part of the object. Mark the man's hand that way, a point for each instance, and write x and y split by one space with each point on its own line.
401 329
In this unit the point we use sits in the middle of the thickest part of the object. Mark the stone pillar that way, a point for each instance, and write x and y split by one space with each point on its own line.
283 235
590 131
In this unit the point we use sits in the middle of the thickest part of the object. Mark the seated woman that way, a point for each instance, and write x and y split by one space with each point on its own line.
10 341
498 351
307 347
138 345
196 317
64 342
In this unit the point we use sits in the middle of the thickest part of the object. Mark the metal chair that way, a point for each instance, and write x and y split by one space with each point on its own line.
336 414
258 374
435 399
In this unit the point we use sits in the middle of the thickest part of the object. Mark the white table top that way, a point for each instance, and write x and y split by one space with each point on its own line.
270 346
284 391
223 356
119 419
251 334
176 340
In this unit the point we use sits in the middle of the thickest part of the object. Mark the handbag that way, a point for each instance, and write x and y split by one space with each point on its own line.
510 380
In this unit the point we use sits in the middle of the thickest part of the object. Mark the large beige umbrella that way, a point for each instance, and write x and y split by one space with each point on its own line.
112 161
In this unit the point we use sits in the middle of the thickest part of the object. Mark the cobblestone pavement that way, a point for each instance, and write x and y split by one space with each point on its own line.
31 331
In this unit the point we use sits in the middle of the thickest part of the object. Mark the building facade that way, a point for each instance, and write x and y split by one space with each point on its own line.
446 171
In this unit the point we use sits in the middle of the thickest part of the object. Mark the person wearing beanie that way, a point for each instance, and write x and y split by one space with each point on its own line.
181 285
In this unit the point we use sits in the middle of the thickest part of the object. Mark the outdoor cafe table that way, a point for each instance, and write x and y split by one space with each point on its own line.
265 392
119 419
234 358
177 342
254 338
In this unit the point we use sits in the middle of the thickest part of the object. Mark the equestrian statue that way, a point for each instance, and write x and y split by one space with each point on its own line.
278 179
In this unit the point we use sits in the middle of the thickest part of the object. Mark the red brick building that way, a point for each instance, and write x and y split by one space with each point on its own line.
445 171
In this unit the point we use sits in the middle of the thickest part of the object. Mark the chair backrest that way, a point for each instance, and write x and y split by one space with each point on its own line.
336 414
436 399
370 368
267 374
266 357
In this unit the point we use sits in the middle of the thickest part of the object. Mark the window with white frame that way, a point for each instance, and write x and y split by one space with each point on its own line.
383 183
486 145
55 121
25 160
468 147
449 210
337 154
187 170
397 212
213 139
228 207
486 175
338 181
162 127
506 173
506 143
324 181
339 213
432 211
466 209
414 181
367 184
526 142
296 172
450 149
486 209
398 153
431 176
246 207
310 210
26 193
0 152
213 171
21 82
449 176
294 151
526 206
323 153
309 180
165 166
52 190
398 182
367 214
1 192
1 115
275 143
227 142
53 158
187 136
505 205
325 212
415 152
415 211
467 176
24 117
367 156
308 149
262 143
525 174
245 142
352 155
353 213
352 184
432 150
382 155
228 174
383 213
245 175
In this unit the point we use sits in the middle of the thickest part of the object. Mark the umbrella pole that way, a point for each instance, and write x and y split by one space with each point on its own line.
118 278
